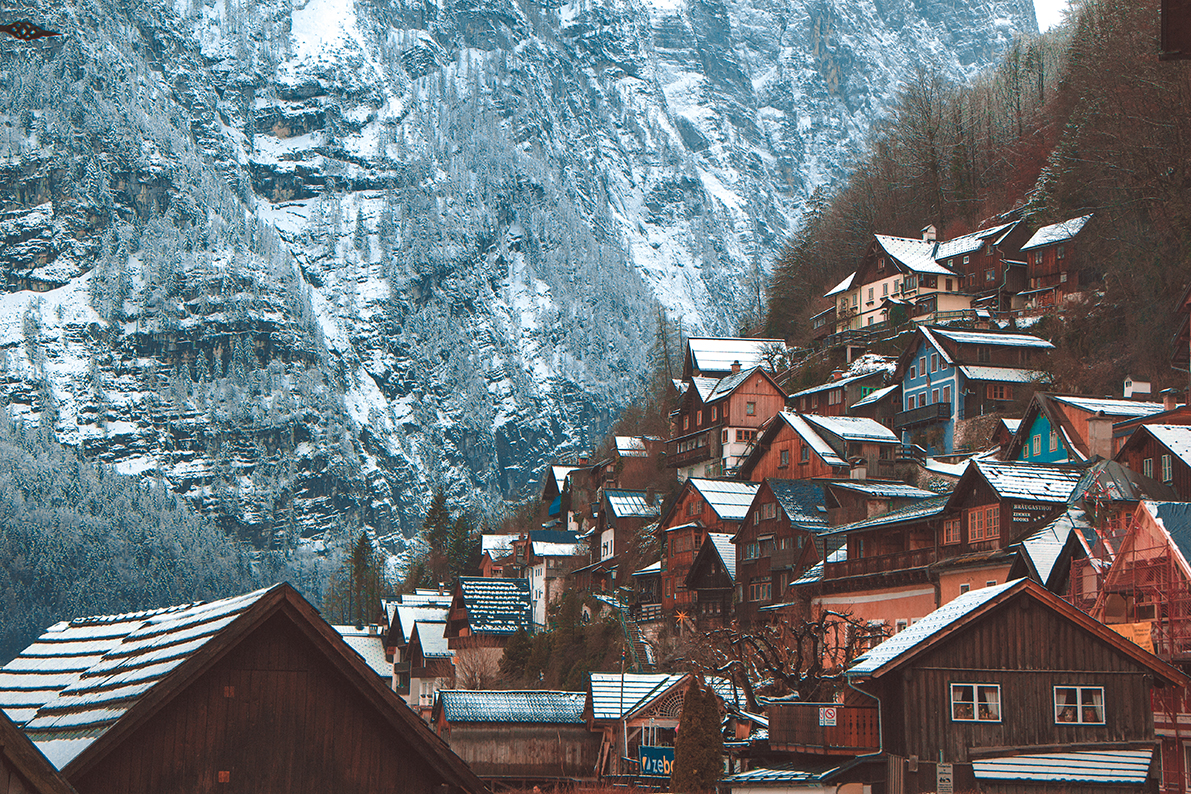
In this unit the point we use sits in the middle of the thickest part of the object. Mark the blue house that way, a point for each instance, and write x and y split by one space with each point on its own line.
1061 428
948 375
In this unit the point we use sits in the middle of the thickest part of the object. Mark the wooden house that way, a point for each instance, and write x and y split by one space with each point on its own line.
969 685
952 375
714 356
835 397
484 614
527 737
702 506
566 497
795 446
1161 452
397 643
880 405
989 260
712 578
23 769
1055 270
1172 413
1062 428
631 709
431 664
496 552
254 693
856 500
623 515
716 421
781 536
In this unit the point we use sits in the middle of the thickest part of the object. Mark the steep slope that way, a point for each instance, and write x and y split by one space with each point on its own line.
304 260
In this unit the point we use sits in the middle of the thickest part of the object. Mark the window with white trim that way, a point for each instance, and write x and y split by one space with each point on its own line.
1079 705
1147 467
1167 473
976 702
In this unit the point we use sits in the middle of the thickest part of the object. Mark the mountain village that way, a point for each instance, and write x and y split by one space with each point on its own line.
978 584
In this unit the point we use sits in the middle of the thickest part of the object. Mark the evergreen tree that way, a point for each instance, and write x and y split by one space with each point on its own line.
512 664
355 594
699 744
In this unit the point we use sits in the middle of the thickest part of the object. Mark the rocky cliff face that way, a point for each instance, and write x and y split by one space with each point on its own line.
305 259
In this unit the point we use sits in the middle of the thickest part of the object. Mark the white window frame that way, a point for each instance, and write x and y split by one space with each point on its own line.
1080 704
977 690
1167 471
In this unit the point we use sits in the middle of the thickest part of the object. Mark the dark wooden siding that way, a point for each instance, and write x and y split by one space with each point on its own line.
1145 447
1027 651
770 462
276 717
528 751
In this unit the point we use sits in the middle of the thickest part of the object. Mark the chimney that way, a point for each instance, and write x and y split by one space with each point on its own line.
1100 435
929 233
735 367
1170 399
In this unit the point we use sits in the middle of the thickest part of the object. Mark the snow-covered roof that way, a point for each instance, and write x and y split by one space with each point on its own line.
716 354
843 286
80 677
783 776
1090 767
497 545
496 606
727 384
990 338
1044 548
554 708
1176 438
722 543
812 438
925 508
1035 482
426 597
432 637
370 646
878 488
1001 374
924 630
650 570
1109 405
1011 424
801 501
969 243
831 385
632 504
409 614
815 572
729 499
917 255
542 548
1056 232
853 428
614 695
876 396
632 446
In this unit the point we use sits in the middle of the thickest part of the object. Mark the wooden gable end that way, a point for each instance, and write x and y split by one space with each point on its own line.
1001 649
23 769
707 571
275 714
800 462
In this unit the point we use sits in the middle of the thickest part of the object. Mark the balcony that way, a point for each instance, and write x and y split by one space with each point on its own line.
927 414
709 449
903 560
809 728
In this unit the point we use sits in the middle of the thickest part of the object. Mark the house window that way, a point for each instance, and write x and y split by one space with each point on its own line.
870 294
1062 278
965 587
900 625
934 362
769 510
922 365
885 289
967 259
1054 441
911 283
855 299
724 436
870 320
913 373
1167 474
750 409
976 525
752 551
760 589
934 395
694 507
698 418
881 263
992 522
990 274
897 285
976 702
999 391
949 285
745 436
804 454
1147 467
983 354
1061 252
785 458
715 412
835 396
686 422
947 394
1037 442
1079 705
951 530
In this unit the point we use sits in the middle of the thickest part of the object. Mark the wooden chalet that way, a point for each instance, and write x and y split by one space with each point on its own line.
714 356
630 709
254 693
23 769
568 492
717 420
1062 428
622 516
712 578
989 260
835 397
496 552
780 537
402 623
702 506
1055 270
971 686
1173 413
794 446
1163 453
881 405
519 737
1146 595
484 614
431 664
1002 434
856 500
948 376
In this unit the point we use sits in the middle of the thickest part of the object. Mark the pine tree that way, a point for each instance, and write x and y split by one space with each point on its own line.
699 744
512 664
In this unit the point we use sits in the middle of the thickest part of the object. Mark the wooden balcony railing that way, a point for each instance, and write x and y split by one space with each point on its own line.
918 558
935 412
707 451
823 728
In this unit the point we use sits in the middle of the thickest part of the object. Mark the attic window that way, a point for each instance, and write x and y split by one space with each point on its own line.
750 409
967 259
1061 252
881 263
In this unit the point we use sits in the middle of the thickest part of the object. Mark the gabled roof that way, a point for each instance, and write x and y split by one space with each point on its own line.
721 543
494 606
883 488
497 545
615 696
919 511
973 241
406 615
88 684
1174 518
653 569
543 548
1111 406
991 338
814 573
1056 232
1043 551
835 384
945 621
631 504
1002 374
1176 438
853 428
370 646
843 286
802 502
1108 479
633 446
1033 482
918 256
730 499
716 354
432 639
810 436
553 708
876 396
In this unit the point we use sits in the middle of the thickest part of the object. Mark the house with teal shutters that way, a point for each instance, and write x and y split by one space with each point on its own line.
1062 428
948 375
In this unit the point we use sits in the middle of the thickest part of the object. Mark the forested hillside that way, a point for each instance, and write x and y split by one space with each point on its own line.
79 539
1083 119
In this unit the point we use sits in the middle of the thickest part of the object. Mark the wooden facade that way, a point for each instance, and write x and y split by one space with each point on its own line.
525 751
23 769
1055 270
1147 454
782 453
681 533
834 398
711 579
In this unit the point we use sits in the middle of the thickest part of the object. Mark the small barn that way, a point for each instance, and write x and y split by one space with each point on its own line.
518 736
255 693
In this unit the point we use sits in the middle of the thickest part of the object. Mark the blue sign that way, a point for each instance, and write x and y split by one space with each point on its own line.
658 761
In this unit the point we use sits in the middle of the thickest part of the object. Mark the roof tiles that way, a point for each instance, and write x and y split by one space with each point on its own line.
554 708
729 499
496 606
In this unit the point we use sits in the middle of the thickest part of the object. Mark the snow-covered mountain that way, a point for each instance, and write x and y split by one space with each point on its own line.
307 259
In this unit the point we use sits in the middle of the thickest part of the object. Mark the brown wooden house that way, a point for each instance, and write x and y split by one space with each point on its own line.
1055 270
971 685
712 578
23 769
795 446
836 396
702 506
254 693
717 420
1163 453
484 614
714 356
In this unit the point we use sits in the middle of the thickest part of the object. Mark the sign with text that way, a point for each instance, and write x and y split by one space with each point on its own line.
657 761
827 716
944 779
